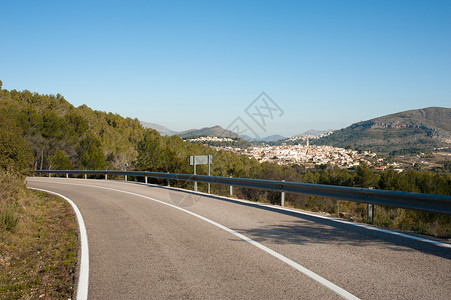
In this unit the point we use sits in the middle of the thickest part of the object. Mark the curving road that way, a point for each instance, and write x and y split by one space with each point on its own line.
152 242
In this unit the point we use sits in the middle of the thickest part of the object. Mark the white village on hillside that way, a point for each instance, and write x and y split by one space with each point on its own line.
306 154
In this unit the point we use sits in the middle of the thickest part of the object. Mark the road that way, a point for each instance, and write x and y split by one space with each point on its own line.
153 242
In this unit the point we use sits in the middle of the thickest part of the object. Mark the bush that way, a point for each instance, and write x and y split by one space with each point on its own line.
8 218
11 186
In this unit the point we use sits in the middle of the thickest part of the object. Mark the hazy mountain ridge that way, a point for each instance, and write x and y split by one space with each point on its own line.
267 139
316 132
420 128
160 128
217 131
425 128
273 138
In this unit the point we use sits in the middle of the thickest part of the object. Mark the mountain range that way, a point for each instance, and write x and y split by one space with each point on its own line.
209 131
316 132
206 131
425 128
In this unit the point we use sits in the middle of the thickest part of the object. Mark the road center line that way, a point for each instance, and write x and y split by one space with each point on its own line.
338 290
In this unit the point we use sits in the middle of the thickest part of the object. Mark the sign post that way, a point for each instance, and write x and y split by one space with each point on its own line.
195 160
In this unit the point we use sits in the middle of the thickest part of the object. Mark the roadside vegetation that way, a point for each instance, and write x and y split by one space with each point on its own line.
38 232
38 243
61 136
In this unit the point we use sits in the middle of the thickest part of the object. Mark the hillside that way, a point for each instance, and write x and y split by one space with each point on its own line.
47 132
419 129
209 131
63 136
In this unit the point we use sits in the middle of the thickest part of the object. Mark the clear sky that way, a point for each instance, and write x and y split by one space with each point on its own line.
193 64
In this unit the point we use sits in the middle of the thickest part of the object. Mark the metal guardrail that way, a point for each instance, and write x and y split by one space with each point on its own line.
415 201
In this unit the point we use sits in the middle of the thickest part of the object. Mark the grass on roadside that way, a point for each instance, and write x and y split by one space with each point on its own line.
38 243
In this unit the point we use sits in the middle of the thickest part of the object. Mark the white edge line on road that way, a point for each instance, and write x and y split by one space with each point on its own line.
82 290
368 227
335 288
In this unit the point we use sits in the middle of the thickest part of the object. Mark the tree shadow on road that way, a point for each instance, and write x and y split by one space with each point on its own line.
307 229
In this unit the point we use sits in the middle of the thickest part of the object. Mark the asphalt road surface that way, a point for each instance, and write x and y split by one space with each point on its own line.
152 242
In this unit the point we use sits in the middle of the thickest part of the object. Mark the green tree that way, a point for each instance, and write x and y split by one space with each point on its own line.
77 122
150 152
52 125
364 177
337 176
90 154
60 161
15 153
389 180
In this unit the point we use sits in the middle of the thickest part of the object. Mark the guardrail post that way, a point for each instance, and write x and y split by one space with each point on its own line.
231 189
86 176
370 213
125 177
49 174
67 175
106 176
282 198
145 179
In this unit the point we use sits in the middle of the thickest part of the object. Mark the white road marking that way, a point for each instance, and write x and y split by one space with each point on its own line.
335 288
82 290
369 227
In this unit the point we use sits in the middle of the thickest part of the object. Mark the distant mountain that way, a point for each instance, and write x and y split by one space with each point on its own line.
246 137
406 131
160 128
209 131
316 132
273 138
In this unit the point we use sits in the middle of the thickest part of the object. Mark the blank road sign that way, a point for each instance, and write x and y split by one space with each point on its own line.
201 159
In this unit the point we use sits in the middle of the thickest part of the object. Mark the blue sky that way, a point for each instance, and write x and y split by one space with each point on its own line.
192 64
